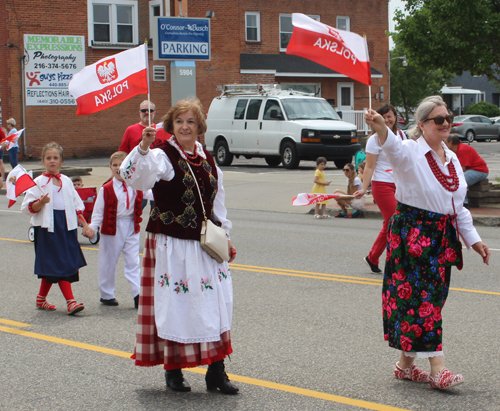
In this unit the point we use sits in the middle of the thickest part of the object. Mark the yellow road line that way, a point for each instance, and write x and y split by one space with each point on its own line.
14 323
306 274
246 380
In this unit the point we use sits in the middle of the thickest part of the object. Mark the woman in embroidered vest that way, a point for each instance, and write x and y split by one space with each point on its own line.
186 297
423 239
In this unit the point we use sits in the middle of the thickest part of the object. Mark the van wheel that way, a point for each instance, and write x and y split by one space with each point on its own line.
222 154
289 156
273 161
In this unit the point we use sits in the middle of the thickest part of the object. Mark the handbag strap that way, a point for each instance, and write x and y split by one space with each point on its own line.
199 192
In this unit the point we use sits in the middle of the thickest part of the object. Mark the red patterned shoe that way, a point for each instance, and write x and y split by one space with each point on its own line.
412 373
446 379
42 304
74 307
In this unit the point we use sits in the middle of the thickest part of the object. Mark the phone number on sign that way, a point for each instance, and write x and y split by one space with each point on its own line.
56 101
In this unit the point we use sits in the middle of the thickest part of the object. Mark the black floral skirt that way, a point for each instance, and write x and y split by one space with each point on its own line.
421 248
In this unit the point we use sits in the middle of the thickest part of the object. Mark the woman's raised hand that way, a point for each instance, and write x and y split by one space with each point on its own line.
148 136
377 124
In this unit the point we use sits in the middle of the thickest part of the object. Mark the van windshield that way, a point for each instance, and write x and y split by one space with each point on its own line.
309 109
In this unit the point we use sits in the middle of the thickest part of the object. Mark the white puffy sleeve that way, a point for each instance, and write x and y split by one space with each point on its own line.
143 171
220 210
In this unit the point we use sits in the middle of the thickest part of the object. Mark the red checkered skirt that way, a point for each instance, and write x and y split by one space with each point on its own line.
151 350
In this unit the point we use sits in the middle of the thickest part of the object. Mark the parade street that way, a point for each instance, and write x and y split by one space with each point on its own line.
307 324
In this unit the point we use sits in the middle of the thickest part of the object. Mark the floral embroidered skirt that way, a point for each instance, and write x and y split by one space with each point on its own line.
421 248
194 343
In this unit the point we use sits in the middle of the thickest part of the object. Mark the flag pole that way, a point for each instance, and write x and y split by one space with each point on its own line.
370 98
147 73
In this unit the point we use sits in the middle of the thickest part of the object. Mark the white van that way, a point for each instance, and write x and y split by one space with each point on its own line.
253 120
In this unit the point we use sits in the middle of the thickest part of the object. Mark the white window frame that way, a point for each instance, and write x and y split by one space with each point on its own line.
347 22
113 38
257 18
313 16
152 4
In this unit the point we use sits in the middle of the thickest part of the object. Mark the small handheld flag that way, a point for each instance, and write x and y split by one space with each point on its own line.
18 181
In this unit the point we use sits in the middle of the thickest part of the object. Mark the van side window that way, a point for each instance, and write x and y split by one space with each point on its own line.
239 113
272 105
253 109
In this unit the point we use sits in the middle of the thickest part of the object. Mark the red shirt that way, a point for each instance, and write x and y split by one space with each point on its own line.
469 159
133 136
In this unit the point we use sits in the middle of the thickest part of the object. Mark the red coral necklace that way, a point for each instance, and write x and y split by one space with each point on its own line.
191 158
450 182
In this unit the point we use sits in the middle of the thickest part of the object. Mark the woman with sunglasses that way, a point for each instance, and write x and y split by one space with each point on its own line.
378 172
423 240
353 184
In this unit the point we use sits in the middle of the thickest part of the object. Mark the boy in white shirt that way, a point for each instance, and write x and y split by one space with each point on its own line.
117 211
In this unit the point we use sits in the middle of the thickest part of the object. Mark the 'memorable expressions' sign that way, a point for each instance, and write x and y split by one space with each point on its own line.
181 38
50 63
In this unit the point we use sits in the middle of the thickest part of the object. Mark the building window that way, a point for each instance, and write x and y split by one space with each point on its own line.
155 10
112 22
344 23
252 25
286 29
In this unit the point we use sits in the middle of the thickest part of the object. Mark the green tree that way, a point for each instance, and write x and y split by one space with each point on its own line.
411 84
453 35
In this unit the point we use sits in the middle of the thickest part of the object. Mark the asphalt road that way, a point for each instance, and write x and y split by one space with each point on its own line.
307 329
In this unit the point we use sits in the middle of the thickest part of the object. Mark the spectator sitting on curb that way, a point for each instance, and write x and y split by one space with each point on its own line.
474 167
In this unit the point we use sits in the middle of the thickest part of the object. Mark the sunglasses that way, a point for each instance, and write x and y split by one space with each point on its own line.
346 170
145 110
440 119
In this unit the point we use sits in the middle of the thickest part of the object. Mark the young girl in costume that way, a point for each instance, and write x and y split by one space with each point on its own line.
353 184
58 255
320 187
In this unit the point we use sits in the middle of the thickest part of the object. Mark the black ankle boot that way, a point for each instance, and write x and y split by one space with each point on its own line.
176 381
217 378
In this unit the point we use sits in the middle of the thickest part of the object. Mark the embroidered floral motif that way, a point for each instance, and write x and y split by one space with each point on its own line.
166 218
187 218
205 284
129 170
184 167
222 275
165 280
181 286
206 166
188 197
213 181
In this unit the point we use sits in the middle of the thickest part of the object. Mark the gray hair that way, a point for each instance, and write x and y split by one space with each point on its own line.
423 111
150 104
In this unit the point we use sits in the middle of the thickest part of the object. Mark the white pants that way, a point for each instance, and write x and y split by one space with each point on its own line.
127 242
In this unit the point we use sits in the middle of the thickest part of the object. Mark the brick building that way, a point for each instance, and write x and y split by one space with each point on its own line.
248 44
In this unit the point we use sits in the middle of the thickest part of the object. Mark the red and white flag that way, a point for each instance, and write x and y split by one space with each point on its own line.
12 139
339 50
111 81
18 181
304 199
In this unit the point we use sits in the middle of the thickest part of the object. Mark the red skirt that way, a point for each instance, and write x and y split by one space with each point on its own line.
151 350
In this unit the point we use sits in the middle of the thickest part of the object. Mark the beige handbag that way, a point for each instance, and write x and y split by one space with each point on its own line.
213 239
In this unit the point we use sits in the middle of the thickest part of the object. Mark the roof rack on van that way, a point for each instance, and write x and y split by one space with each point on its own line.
231 89
291 91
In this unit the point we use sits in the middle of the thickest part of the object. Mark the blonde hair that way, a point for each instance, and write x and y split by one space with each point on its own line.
423 111
181 107
53 146
120 155
11 121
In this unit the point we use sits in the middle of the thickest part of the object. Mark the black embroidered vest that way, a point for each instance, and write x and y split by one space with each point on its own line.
178 212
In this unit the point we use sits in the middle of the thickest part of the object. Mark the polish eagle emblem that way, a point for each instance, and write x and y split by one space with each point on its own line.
106 71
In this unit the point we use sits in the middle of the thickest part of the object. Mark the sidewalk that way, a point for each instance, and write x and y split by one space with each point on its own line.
263 191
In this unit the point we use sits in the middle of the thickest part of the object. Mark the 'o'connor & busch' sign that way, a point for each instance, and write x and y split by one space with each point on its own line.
49 67
181 38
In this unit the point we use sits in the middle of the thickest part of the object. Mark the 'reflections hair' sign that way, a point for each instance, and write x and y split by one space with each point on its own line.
181 38
50 63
